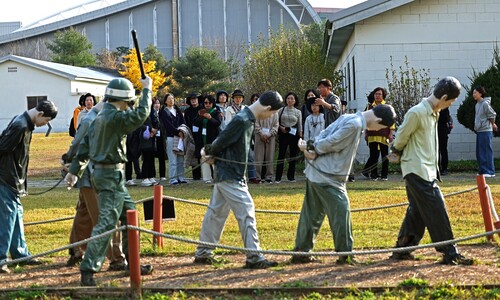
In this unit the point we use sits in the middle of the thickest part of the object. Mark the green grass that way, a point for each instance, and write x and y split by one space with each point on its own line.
371 229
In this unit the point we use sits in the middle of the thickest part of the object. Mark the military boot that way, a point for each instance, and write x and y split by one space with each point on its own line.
87 278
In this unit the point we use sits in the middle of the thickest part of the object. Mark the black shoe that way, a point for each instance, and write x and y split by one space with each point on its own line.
118 266
4 269
204 260
254 181
263 264
31 262
145 270
346 260
87 278
459 259
304 259
73 261
402 256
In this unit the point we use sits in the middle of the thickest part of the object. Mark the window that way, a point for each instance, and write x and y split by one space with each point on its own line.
348 82
33 100
353 80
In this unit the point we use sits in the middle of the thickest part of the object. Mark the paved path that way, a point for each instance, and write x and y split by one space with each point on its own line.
38 183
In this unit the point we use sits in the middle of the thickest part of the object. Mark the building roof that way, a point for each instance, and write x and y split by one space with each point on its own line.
71 17
341 27
89 6
96 9
70 72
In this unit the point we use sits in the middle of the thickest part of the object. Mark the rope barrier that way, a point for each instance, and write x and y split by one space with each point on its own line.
72 217
49 221
79 243
284 212
247 250
280 212
321 253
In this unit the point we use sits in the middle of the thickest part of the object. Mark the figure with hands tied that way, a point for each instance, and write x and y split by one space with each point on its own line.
230 192
329 158
415 146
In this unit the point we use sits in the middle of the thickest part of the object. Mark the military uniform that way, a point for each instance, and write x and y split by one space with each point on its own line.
105 148
87 211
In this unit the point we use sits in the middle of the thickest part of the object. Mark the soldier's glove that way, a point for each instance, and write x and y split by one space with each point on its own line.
147 83
71 180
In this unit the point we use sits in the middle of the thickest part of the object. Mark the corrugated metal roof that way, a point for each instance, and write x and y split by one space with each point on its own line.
77 16
90 6
70 72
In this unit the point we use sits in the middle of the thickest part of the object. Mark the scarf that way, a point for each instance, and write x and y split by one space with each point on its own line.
205 122
236 108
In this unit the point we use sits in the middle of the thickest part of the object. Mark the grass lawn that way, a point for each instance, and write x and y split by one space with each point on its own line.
371 229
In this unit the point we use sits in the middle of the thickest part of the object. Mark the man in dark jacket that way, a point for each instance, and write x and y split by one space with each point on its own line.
14 155
329 101
190 114
230 189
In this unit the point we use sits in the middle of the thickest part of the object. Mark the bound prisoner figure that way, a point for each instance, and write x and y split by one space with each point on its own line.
230 191
416 147
15 143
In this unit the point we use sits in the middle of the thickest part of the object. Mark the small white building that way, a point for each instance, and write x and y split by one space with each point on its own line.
448 37
25 81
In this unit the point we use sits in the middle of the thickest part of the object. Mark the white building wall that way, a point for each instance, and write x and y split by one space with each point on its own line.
29 81
447 37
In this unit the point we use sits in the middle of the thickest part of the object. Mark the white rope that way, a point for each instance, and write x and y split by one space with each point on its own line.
247 250
298 212
79 243
329 253
492 203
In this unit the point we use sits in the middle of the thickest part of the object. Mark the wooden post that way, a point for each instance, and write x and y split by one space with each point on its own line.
485 205
134 255
158 214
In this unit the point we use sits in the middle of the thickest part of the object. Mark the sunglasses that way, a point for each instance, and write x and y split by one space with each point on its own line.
208 102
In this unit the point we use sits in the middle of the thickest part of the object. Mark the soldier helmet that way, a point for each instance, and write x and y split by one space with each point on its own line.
120 89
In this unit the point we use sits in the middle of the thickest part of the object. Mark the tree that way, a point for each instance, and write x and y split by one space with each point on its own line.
70 47
131 71
151 53
406 87
108 59
200 70
288 61
489 79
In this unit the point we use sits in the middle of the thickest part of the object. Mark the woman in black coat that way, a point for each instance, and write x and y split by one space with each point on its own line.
208 121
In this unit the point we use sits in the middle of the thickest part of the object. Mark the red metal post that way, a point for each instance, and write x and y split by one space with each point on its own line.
158 214
485 205
134 254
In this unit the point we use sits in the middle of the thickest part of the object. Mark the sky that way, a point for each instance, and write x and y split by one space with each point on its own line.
29 11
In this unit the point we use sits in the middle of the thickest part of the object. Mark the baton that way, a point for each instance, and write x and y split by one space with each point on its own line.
138 52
